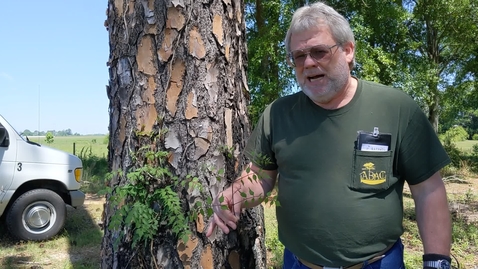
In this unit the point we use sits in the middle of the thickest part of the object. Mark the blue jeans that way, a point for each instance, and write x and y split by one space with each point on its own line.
393 259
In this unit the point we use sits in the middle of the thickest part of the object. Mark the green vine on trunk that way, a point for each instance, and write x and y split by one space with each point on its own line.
150 199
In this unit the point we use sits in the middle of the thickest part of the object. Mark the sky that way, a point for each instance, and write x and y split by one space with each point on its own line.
53 72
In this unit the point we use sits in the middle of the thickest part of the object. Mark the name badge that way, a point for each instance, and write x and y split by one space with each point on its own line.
374 141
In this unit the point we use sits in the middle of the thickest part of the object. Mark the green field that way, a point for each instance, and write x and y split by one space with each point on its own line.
79 245
77 144
467 145
99 145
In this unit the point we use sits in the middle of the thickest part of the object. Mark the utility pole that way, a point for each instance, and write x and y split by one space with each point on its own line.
38 134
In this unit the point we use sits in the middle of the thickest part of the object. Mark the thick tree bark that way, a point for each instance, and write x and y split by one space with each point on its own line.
177 72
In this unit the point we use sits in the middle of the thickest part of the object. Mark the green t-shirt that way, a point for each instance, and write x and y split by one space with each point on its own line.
331 211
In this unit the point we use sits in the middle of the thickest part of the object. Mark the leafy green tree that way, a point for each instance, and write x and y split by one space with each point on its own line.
27 132
426 47
380 36
439 29
269 77
49 137
455 134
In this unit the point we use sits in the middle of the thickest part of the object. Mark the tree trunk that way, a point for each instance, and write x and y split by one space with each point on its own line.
177 86
434 112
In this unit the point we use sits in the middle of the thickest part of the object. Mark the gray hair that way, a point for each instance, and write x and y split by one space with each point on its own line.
307 17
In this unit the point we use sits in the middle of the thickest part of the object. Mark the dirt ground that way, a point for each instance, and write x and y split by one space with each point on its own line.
466 194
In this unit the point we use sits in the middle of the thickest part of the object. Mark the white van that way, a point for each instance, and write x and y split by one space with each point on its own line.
36 184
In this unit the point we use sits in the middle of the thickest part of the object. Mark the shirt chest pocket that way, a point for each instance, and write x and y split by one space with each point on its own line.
372 171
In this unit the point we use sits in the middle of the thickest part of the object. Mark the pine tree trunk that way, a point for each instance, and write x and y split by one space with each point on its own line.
177 84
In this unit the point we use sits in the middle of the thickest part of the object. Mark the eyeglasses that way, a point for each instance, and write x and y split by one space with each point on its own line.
320 53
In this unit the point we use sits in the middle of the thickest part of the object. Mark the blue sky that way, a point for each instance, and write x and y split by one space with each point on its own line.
53 72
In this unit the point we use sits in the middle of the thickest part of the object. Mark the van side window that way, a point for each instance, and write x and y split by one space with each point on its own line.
4 141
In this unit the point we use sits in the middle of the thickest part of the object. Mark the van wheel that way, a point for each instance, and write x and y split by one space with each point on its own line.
36 215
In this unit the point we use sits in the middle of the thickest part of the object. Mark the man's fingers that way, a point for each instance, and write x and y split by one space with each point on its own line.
226 215
221 224
211 228
232 224
237 211
216 222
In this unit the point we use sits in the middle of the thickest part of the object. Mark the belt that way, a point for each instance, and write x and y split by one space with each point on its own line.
377 257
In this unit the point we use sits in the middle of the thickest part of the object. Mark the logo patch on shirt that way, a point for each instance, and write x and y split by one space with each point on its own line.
369 176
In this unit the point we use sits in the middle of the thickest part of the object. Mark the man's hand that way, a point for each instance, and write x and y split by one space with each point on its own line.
254 183
227 209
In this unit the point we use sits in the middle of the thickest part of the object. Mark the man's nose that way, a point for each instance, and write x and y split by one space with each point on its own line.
309 61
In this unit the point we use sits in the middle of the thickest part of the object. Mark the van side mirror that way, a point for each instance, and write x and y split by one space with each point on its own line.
4 141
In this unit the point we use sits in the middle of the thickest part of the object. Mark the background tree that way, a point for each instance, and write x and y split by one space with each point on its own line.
461 101
178 120
27 132
441 32
424 47
269 77
49 138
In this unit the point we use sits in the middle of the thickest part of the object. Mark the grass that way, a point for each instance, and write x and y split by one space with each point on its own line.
275 249
78 246
93 151
465 222
467 145
465 231
75 144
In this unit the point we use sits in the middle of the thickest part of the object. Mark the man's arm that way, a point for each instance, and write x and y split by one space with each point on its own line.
433 215
254 183
258 181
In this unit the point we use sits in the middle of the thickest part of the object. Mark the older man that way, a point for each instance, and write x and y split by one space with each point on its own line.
342 149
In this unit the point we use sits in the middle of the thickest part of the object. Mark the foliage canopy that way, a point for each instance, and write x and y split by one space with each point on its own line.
428 48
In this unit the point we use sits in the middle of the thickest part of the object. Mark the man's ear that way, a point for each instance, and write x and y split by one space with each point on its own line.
349 49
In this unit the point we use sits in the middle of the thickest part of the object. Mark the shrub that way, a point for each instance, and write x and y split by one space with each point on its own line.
95 170
49 138
453 152
475 150
454 134
474 157
475 137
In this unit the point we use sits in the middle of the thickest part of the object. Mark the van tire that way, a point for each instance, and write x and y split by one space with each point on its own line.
36 215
